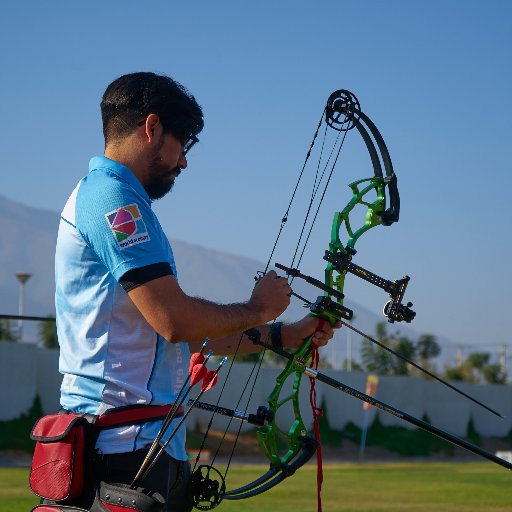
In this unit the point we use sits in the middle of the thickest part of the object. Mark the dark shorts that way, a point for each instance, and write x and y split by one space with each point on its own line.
169 477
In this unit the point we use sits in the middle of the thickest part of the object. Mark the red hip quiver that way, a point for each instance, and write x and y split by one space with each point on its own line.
58 464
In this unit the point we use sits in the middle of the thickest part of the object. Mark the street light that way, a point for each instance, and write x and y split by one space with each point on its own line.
22 277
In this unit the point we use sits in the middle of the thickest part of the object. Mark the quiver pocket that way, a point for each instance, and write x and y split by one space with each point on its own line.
58 465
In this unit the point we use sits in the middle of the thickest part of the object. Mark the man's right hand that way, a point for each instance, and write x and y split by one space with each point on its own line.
271 296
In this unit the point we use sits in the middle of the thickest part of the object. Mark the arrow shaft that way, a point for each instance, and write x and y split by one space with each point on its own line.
406 417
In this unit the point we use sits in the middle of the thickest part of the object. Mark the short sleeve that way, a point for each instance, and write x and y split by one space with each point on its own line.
117 223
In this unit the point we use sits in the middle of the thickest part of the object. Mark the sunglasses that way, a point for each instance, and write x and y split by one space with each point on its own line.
189 143
186 143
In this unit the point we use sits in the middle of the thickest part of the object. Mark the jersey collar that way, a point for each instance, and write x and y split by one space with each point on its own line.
102 162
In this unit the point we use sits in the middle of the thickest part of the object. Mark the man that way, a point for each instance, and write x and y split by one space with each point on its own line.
125 326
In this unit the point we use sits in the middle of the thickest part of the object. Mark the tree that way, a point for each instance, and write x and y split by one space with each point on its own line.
461 373
48 333
404 347
493 375
477 368
427 347
379 361
479 360
6 331
376 359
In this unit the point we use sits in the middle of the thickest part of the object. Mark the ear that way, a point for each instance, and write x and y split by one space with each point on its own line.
153 128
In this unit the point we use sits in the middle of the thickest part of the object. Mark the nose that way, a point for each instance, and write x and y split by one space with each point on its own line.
182 162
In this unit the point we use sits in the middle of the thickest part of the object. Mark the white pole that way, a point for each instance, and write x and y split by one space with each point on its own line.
22 277
503 360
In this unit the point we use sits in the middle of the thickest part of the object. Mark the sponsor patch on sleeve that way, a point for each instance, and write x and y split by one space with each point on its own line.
128 226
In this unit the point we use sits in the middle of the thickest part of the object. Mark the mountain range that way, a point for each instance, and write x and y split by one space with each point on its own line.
28 245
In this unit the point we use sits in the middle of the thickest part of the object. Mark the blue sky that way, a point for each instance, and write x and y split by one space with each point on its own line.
434 76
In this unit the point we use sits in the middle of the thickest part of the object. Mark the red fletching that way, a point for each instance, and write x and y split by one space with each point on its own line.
197 374
196 358
209 381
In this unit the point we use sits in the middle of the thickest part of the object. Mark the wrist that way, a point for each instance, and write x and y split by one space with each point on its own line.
276 335
290 337
254 315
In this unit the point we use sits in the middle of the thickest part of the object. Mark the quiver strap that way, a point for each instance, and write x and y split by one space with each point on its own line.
58 508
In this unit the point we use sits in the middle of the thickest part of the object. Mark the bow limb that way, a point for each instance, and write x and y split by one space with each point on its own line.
376 210
275 475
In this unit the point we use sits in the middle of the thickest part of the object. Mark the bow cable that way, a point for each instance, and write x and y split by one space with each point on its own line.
315 189
285 216
319 204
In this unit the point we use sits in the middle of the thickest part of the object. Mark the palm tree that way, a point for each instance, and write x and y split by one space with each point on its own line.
6 332
48 333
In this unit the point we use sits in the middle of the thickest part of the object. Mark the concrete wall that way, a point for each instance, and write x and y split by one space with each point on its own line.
27 370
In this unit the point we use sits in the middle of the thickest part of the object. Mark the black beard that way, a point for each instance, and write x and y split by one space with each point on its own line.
159 187
159 184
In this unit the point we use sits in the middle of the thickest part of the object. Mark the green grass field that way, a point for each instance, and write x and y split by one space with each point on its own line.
400 487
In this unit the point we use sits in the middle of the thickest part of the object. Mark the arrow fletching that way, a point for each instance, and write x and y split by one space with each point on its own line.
209 381
197 374
196 358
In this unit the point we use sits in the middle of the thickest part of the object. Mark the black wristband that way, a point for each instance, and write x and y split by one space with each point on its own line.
254 335
275 335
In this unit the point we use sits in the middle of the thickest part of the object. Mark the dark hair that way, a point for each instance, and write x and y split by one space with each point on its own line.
132 97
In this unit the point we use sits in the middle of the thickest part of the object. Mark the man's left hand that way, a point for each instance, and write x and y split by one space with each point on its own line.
293 335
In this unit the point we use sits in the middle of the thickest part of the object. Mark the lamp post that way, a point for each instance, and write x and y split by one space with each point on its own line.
22 277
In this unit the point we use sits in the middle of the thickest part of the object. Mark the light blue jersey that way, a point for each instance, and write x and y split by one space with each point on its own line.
109 355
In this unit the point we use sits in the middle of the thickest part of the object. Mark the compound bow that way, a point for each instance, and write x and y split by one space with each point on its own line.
342 113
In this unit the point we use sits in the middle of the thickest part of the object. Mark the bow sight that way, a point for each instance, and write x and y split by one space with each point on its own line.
394 310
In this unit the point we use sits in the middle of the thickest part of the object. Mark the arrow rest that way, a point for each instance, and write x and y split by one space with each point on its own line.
325 307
